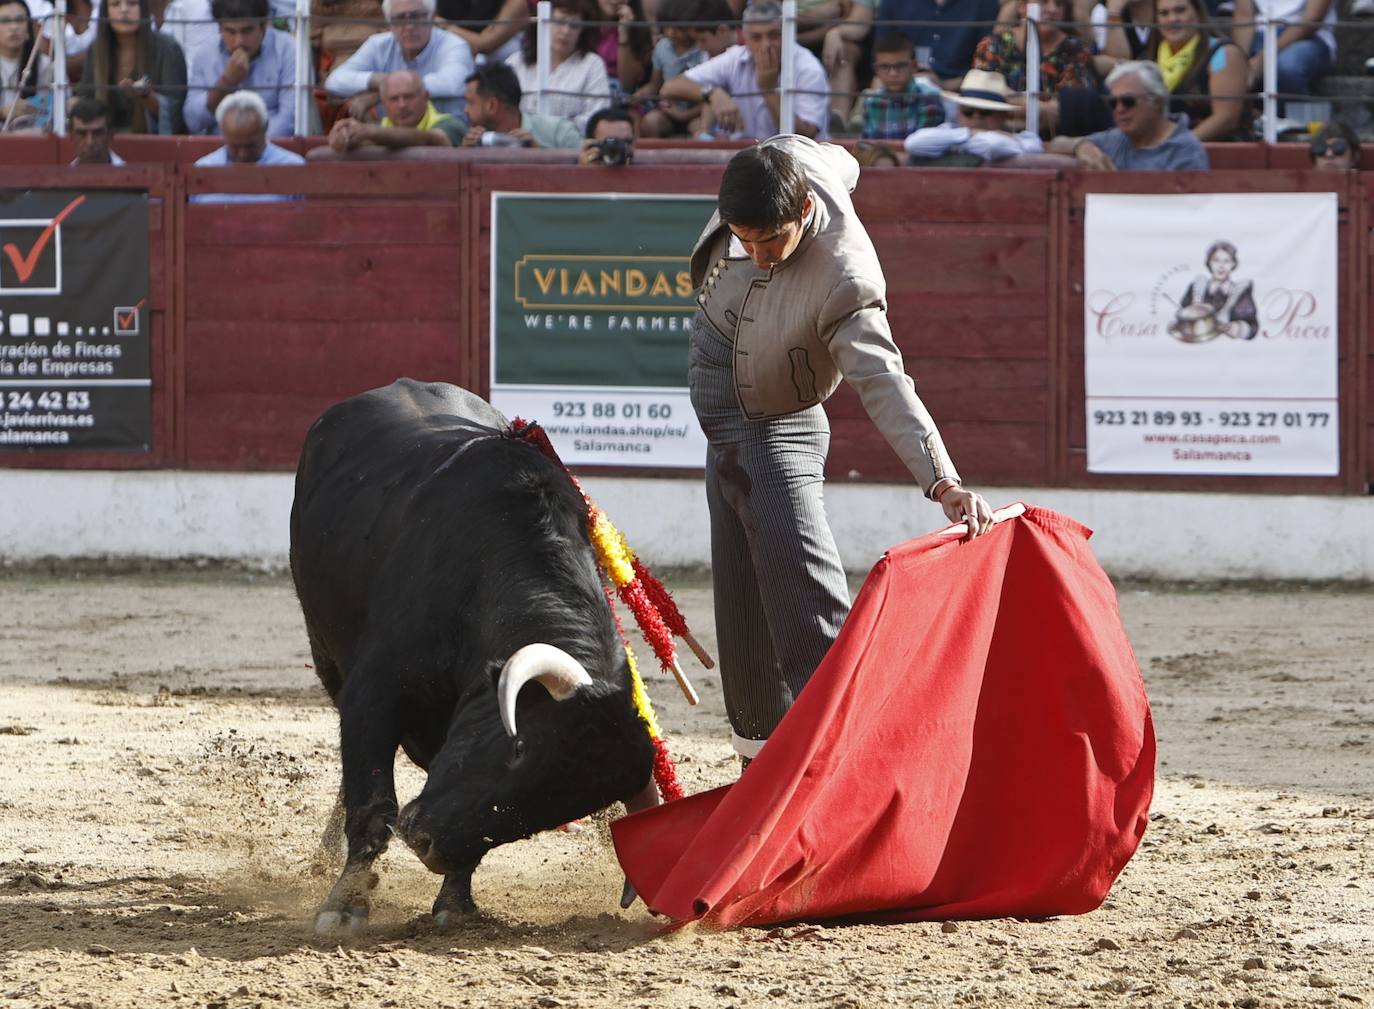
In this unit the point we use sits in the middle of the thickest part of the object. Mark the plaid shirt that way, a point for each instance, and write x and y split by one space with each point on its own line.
895 117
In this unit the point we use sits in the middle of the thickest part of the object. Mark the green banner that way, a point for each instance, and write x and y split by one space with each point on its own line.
593 290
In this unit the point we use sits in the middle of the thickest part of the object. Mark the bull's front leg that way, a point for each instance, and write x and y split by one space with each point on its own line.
455 898
369 734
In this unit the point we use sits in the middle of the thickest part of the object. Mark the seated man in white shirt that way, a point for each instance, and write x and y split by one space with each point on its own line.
982 131
441 58
740 86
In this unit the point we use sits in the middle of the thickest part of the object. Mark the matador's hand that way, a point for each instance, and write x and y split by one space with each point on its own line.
962 505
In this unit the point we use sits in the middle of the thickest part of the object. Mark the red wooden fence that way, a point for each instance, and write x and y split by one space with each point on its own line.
263 314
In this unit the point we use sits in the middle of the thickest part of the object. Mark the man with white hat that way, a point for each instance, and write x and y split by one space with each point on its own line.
982 129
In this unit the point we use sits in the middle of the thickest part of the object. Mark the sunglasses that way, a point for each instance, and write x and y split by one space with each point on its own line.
409 18
1329 148
893 67
1125 101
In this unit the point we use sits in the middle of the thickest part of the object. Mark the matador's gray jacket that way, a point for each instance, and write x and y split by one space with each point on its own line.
819 315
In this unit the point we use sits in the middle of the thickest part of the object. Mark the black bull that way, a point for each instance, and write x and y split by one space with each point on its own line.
427 549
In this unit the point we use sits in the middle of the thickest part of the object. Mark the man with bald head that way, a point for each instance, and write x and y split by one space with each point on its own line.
411 120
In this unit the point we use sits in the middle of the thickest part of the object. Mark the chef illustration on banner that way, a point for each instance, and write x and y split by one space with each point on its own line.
1218 302
1199 361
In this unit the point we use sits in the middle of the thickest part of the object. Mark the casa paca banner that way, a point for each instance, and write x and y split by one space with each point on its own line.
1211 334
75 369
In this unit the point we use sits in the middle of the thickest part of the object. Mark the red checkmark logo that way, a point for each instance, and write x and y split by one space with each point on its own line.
24 265
128 321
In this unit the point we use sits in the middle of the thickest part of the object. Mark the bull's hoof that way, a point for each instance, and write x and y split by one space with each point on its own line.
447 921
352 921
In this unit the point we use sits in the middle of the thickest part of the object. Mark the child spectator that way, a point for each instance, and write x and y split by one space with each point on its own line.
905 102
716 28
675 53
624 45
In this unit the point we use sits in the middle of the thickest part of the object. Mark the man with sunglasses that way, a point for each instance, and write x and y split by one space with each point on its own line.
1335 148
442 59
1145 137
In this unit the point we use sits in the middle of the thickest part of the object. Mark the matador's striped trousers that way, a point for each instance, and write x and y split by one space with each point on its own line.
780 592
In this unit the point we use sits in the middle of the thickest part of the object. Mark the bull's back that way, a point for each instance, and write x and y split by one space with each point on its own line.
365 463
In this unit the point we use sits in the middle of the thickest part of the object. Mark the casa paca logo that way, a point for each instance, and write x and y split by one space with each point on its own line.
1192 306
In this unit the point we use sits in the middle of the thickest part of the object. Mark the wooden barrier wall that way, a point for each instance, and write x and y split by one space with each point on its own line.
264 314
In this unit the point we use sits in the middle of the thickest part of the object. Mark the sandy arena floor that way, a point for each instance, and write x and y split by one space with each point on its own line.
168 764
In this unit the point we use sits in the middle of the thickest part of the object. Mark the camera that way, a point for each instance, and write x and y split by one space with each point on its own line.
615 150
493 139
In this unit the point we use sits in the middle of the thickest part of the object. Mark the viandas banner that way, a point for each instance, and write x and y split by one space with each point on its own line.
591 313
1211 334
75 367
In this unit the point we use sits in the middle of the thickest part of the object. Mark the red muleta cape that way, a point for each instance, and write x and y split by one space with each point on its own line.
977 743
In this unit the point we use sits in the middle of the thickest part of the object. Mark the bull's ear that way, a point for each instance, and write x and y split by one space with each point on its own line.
493 672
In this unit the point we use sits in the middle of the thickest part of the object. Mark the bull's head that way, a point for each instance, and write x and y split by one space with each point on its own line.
569 746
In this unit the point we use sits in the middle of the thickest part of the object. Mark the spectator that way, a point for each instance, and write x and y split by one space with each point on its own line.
192 24
871 155
1335 148
1064 59
946 47
905 102
137 73
1205 74
1306 44
494 110
983 131
675 54
740 86
249 54
836 30
25 76
626 45
338 28
1125 28
491 28
715 29
411 120
614 125
82 18
243 119
1146 137
578 83
88 124
441 58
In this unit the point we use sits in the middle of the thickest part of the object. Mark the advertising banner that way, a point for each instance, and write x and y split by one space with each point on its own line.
1211 334
591 312
75 367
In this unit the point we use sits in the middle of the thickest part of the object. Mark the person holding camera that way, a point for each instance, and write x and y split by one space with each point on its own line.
494 94
610 138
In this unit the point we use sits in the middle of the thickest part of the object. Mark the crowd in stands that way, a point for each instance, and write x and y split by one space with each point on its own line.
1128 84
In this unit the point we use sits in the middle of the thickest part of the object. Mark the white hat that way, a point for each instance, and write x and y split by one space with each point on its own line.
982 89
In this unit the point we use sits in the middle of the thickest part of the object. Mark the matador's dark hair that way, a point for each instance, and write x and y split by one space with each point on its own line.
763 188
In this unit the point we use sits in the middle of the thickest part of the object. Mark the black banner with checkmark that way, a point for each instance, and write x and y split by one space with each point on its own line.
75 359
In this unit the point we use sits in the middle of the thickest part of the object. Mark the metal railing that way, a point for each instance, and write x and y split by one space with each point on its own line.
302 87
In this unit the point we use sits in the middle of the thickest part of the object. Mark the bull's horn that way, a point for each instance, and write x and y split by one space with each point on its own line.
559 672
